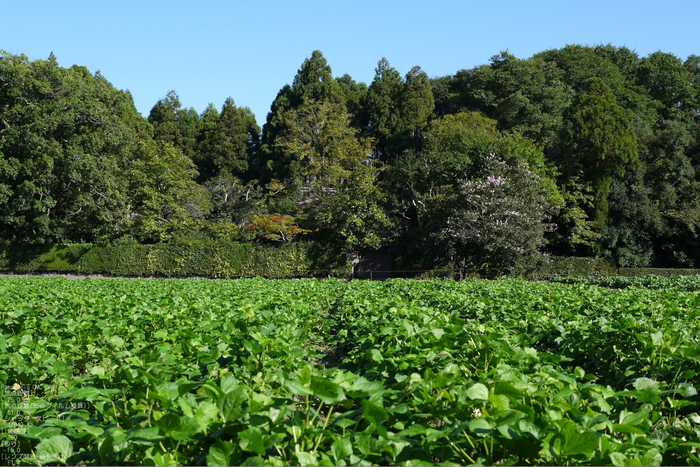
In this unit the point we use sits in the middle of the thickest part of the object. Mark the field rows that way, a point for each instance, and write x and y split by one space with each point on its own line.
261 372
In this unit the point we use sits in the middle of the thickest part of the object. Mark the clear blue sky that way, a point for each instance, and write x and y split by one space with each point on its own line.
210 50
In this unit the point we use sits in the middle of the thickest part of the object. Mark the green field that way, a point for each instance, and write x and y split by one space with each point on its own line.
289 372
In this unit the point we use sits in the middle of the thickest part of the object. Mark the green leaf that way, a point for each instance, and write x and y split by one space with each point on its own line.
205 414
187 429
505 388
686 390
373 413
376 356
231 404
223 453
376 415
651 457
645 383
297 388
618 459
633 418
306 458
305 376
168 423
145 436
251 440
341 449
578 443
106 451
626 428
478 392
57 448
117 342
480 426
328 391
253 347
694 417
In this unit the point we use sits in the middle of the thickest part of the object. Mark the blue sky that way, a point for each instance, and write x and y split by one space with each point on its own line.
210 50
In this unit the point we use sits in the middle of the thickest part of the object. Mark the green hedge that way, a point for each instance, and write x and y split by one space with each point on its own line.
181 258
663 272
220 259
572 267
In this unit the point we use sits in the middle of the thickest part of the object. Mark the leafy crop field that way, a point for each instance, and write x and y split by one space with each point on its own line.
262 372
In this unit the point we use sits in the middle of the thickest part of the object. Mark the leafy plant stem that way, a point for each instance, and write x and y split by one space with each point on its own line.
470 440
462 451
325 425
114 409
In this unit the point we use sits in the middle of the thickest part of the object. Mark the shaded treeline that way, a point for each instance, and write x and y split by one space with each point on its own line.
588 151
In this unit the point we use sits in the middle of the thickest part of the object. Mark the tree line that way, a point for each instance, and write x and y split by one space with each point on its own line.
578 151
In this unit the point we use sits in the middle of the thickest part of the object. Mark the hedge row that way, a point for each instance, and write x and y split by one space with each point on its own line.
217 259
663 272
572 267
184 258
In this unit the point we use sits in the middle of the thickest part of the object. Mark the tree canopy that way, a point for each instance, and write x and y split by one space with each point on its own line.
574 151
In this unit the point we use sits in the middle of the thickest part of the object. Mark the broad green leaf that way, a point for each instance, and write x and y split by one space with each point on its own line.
223 453
205 414
686 390
478 392
251 440
651 457
480 426
168 423
117 342
145 436
505 388
646 383
633 418
376 415
626 428
341 449
373 413
618 459
297 388
253 347
580 443
328 391
57 448
106 450
228 383
306 458
231 404
187 429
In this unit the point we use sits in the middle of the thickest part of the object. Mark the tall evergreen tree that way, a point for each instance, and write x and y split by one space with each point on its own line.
313 83
188 123
599 142
417 106
234 140
164 118
384 99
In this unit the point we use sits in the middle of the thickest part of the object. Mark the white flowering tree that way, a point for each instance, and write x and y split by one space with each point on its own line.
497 218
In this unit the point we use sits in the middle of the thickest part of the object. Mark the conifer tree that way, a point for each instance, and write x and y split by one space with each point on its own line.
599 142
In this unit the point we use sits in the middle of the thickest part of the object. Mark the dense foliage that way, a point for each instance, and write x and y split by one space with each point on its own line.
306 372
601 146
